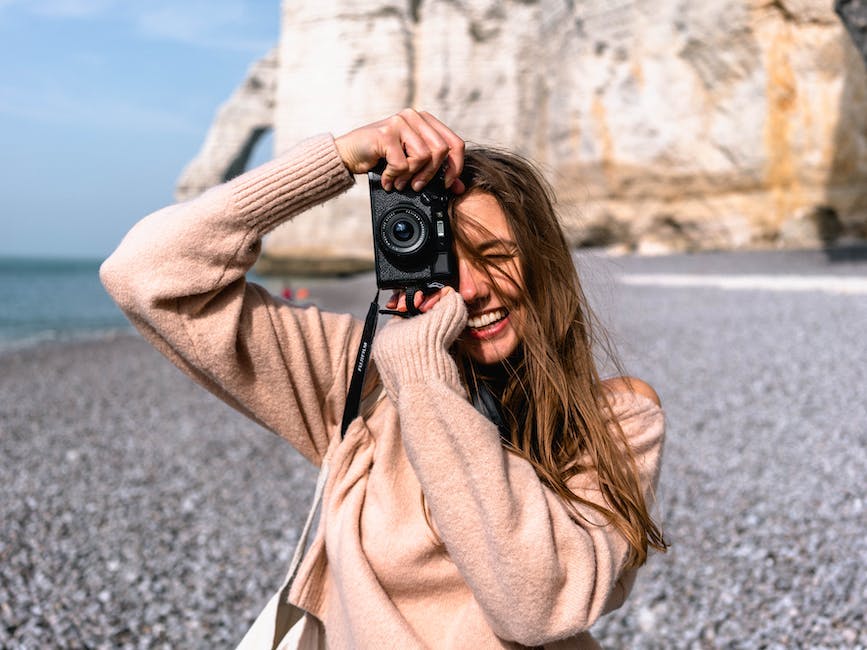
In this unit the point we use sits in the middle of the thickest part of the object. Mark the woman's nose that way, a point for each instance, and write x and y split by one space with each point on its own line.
472 285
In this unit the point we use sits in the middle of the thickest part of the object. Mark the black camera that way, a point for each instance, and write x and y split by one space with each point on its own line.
412 239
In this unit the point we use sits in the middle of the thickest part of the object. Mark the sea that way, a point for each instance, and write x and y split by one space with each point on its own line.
54 300
48 299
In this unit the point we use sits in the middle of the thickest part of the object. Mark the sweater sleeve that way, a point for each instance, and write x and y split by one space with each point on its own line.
179 275
538 573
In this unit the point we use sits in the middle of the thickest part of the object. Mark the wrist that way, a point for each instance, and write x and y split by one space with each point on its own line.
340 145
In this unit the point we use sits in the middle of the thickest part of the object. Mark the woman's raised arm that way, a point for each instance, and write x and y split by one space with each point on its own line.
179 275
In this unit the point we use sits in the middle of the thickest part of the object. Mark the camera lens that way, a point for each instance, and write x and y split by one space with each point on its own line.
403 232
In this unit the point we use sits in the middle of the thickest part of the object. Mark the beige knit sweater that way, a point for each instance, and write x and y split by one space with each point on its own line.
514 568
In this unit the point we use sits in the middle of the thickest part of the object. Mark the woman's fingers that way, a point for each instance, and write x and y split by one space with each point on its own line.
436 147
414 146
406 151
455 154
429 301
397 301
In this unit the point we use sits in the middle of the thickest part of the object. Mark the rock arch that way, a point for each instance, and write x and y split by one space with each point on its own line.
239 124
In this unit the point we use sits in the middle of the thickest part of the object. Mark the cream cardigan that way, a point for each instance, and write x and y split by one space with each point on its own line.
515 569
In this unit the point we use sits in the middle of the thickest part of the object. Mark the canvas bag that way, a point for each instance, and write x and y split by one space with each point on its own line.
282 625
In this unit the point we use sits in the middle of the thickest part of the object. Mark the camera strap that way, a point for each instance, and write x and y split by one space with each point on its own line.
362 358
353 397
411 309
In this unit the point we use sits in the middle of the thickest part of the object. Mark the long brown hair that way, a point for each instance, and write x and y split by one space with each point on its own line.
558 417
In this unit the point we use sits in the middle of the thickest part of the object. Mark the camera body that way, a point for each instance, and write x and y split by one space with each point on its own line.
412 238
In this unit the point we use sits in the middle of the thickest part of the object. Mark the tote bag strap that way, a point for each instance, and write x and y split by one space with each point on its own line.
301 546
287 615
273 625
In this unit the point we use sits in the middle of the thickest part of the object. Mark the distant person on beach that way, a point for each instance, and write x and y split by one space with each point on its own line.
494 491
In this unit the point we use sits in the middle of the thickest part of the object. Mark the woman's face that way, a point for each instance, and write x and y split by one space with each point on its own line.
491 334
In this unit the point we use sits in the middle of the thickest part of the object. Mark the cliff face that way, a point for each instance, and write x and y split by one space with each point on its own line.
662 125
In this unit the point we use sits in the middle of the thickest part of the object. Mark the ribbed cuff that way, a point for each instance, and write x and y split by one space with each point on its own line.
308 174
415 350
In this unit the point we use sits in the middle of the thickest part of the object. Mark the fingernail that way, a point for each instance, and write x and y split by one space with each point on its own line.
386 185
418 185
399 184
449 181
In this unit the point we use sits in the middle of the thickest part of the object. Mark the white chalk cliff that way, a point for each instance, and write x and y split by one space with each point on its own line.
664 125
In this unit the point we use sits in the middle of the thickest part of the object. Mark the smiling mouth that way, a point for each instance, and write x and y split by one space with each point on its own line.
487 319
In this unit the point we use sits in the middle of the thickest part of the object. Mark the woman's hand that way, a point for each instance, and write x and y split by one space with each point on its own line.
414 144
416 350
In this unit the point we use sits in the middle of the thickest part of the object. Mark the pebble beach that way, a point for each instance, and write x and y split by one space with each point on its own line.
138 511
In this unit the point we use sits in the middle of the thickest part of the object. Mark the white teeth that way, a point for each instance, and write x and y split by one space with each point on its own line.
486 319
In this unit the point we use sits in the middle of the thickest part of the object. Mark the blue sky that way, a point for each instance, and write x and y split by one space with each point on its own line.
103 102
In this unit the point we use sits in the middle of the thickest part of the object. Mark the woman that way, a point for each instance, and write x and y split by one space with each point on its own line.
442 526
